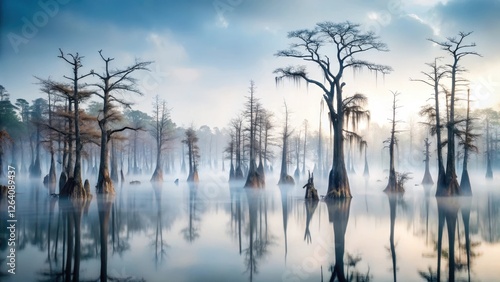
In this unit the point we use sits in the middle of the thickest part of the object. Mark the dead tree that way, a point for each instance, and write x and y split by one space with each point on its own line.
74 185
311 192
348 41
393 185
457 49
427 180
433 113
162 129
111 82
254 178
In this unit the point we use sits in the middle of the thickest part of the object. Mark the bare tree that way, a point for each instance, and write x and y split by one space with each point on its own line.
162 128
74 185
254 178
393 185
457 49
433 114
111 82
348 41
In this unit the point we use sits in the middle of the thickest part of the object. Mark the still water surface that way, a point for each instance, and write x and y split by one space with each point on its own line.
220 232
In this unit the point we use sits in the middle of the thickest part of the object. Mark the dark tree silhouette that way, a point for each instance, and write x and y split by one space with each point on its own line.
74 185
467 141
111 82
457 49
338 215
427 180
433 79
394 185
255 178
191 141
162 131
348 41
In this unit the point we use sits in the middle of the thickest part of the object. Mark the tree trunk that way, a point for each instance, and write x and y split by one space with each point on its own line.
465 181
427 180
338 181
158 173
104 183
52 174
451 187
36 171
114 162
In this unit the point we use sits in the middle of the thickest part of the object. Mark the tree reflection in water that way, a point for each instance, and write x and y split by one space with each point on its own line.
448 209
104 206
259 236
338 214
310 206
191 232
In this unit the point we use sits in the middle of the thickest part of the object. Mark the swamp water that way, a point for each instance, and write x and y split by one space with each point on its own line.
220 232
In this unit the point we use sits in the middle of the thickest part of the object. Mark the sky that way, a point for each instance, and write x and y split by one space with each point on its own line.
205 52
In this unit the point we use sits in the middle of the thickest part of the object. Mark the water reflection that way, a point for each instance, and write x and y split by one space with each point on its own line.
267 232
338 214
310 206
191 231
393 200
259 237
104 206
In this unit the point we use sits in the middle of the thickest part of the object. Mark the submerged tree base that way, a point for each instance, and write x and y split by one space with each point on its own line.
193 177
255 180
74 189
465 186
157 176
286 180
450 190
106 187
338 187
427 180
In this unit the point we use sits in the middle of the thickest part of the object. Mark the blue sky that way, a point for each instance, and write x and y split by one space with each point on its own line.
206 51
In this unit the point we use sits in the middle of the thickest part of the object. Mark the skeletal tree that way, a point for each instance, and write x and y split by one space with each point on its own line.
162 130
433 114
237 125
254 177
393 185
348 41
457 49
112 82
74 185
